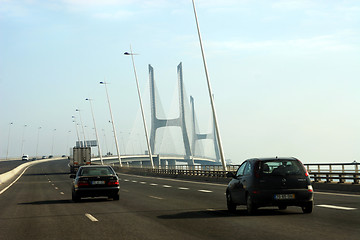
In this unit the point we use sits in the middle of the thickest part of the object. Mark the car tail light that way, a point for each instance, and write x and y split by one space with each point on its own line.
82 183
306 172
113 183
310 188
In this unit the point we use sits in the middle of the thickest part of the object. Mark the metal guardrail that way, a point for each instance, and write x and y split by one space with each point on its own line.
334 172
323 172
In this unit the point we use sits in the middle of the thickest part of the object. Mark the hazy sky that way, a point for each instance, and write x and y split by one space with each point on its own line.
285 73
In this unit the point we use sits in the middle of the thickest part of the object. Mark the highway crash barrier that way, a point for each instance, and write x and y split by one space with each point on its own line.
14 172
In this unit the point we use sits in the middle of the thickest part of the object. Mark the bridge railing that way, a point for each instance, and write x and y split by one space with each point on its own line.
329 173
334 172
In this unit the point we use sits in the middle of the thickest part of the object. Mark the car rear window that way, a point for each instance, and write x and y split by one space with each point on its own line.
96 172
281 167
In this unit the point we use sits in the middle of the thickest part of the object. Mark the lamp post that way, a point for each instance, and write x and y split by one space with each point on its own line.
113 124
22 140
77 132
7 151
222 157
97 137
141 107
67 141
37 142
82 126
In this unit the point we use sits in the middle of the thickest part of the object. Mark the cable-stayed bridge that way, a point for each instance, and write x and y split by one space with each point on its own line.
175 139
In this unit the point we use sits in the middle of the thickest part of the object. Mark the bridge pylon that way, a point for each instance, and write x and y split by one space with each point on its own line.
157 123
201 136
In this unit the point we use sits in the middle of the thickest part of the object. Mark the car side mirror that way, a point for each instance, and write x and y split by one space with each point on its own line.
230 175
72 175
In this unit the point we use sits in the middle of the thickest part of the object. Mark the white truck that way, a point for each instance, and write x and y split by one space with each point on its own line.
80 156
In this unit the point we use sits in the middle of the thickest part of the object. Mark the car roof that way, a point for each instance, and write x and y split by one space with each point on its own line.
272 158
97 166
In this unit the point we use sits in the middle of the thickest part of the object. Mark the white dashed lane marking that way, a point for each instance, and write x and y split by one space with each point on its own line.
205 191
91 217
143 182
183 188
158 198
153 184
166 186
336 207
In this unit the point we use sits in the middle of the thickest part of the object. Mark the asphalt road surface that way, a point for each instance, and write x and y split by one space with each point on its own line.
38 206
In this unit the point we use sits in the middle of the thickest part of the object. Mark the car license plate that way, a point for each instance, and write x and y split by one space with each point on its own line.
97 182
284 196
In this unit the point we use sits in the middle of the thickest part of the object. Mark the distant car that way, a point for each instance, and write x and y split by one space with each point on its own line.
51 156
264 182
25 158
63 156
33 159
43 157
95 181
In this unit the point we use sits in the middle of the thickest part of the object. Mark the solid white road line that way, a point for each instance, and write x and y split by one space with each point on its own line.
158 198
336 207
2 191
205 191
91 217
338 194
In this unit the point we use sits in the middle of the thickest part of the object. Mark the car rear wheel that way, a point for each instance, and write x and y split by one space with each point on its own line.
230 205
75 197
308 207
116 197
250 206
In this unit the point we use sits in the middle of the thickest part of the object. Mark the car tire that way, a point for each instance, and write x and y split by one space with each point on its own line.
116 197
308 207
75 197
230 205
250 206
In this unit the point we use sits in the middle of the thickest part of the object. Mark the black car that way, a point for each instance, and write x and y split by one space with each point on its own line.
95 181
262 182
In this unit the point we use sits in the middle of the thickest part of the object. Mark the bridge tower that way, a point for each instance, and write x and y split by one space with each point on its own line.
202 136
157 123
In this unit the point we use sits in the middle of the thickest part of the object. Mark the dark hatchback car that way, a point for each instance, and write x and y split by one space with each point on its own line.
95 181
262 182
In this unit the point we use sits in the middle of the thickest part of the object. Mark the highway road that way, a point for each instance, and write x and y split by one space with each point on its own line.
38 206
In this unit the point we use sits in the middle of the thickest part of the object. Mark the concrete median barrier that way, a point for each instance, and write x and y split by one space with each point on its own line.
5 177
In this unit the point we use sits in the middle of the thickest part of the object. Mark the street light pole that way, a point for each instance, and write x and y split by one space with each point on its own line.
142 108
22 140
96 133
210 93
82 126
113 124
77 132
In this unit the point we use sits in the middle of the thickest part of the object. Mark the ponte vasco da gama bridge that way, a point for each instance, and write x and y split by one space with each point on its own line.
175 140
